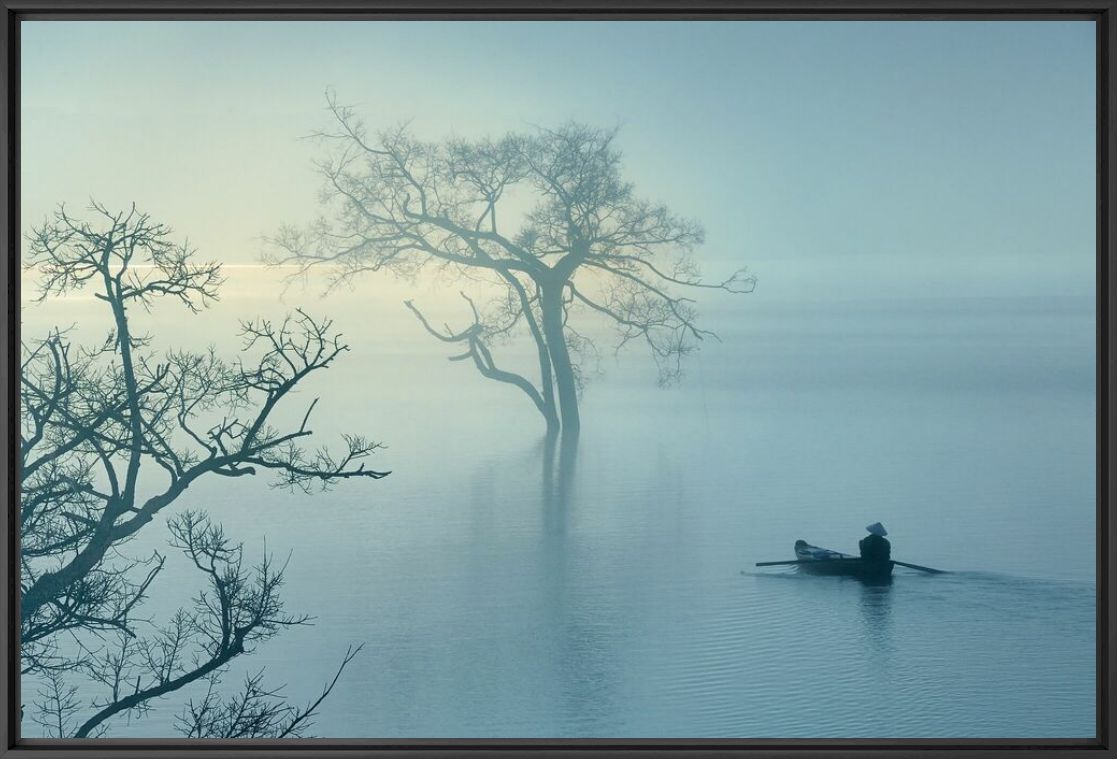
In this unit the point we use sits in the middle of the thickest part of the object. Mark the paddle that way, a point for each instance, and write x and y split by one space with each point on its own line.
921 569
812 561
801 561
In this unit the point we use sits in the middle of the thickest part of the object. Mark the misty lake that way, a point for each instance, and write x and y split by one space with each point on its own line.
498 597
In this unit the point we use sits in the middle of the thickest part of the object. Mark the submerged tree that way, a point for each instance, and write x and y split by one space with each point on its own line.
111 436
546 217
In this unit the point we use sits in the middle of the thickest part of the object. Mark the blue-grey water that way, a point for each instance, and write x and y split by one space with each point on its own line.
614 594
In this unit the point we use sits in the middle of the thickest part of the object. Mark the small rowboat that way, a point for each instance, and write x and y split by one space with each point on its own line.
823 561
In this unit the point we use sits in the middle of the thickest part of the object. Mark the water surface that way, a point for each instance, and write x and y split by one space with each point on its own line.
614 595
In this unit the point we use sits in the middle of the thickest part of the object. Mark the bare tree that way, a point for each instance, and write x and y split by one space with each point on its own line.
111 435
546 217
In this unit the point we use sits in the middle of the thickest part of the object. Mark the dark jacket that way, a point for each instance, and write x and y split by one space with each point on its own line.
875 548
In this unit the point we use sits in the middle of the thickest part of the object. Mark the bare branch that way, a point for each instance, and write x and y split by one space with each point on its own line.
402 205
114 433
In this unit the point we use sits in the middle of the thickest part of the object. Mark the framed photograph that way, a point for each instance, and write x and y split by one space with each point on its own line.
636 378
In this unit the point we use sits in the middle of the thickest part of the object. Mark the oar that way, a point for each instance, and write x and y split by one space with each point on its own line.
921 569
802 561
812 561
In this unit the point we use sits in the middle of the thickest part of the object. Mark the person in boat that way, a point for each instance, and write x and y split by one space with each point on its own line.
874 547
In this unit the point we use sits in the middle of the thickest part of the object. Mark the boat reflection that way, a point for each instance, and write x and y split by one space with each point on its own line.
875 604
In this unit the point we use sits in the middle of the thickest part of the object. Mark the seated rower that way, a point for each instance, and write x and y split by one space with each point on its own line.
874 547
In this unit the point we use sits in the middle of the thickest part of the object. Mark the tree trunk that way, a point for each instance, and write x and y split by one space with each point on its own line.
546 376
548 384
554 332
553 425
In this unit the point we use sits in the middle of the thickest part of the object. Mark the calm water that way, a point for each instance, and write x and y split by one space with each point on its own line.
494 602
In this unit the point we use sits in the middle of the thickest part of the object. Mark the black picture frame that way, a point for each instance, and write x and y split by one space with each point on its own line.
1102 12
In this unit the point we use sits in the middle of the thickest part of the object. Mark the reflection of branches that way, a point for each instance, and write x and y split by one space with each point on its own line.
93 420
585 240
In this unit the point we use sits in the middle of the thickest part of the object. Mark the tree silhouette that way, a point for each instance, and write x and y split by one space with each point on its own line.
546 217
113 434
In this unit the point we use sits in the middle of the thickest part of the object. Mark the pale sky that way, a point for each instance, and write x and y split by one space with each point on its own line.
835 159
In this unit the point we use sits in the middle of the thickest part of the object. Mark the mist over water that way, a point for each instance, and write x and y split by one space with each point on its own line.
917 201
613 594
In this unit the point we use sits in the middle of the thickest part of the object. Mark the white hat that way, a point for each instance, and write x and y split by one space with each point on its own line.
877 528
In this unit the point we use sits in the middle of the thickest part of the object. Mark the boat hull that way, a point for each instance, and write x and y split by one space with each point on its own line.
823 561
